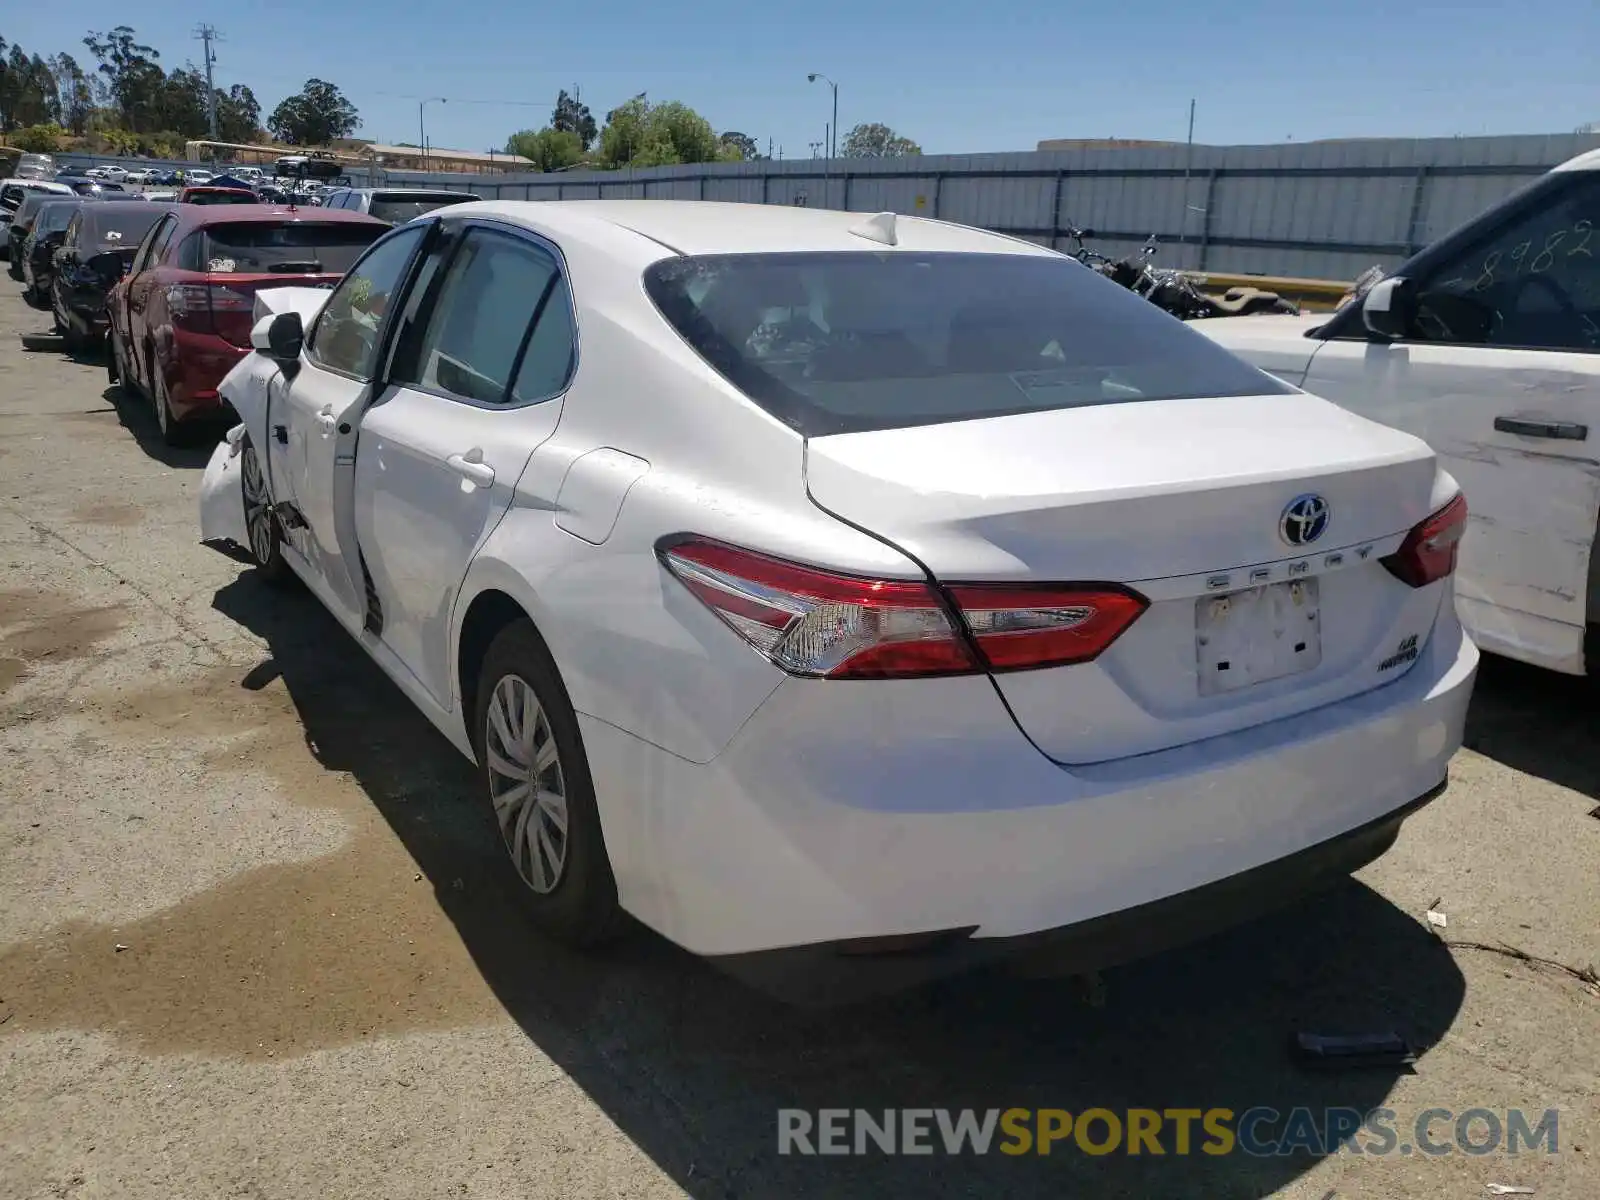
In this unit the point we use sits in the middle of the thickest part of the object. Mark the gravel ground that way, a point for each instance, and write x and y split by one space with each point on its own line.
256 938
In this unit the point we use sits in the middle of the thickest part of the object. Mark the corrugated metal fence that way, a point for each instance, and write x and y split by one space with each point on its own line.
1321 210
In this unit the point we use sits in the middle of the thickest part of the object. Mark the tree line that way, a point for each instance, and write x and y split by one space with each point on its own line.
640 134
123 101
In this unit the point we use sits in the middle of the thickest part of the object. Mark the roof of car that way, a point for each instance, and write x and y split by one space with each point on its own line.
406 191
714 227
39 185
195 215
1589 161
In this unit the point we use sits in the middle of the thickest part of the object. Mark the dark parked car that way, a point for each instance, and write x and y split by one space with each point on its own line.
38 252
97 249
12 194
22 225
180 318
206 194
394 205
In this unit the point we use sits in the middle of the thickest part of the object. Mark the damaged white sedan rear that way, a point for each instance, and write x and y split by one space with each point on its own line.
854 601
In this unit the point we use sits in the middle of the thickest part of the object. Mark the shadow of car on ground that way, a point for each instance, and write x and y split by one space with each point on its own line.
1536 721
139 419
694 1068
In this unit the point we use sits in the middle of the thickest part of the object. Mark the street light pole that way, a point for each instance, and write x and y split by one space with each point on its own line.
833 129
422 128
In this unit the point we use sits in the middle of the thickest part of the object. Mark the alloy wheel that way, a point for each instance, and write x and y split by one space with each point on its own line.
526 785
257 506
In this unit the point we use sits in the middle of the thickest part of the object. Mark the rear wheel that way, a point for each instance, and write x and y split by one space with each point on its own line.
70 337
260 522
171 432
123 365
533 768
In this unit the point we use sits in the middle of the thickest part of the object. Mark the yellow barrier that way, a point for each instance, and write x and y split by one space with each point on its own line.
1312 294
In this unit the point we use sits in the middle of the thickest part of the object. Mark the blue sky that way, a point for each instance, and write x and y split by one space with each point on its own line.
957 78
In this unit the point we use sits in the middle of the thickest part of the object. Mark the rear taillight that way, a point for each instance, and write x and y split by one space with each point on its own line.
190 305
1429 552
211 307
1019 628
819 623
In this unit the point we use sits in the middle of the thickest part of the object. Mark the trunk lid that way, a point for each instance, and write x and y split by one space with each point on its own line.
1181 500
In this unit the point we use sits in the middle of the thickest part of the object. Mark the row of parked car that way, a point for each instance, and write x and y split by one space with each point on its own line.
164 290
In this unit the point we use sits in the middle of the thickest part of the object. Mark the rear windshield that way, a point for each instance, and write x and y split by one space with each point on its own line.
846 342
299 248
397 209
221 197
55 217
119 226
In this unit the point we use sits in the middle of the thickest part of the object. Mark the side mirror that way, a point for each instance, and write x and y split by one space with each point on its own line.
285 336
260 333
1389 308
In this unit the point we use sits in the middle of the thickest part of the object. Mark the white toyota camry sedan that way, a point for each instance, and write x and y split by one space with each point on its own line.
854 599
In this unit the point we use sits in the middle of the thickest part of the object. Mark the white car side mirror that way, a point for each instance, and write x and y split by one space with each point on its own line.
1388 307
261 334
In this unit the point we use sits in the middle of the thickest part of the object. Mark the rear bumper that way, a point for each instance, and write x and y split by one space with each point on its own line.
846 811
196 364
86 309
844 971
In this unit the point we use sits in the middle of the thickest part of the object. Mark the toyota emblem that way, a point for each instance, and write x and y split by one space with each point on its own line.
1304 520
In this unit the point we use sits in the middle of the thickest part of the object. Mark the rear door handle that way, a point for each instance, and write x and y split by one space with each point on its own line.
471 467
1533 427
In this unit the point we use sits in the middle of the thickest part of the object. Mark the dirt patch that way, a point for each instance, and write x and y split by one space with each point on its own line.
11 670
285 959
277 962
40 626
122 515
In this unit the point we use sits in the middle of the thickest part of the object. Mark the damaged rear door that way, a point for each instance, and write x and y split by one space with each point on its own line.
1501 376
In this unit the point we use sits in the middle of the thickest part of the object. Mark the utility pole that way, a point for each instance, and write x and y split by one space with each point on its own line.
209 34
1188 159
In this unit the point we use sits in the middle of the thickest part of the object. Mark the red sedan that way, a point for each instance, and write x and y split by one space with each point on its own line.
180 318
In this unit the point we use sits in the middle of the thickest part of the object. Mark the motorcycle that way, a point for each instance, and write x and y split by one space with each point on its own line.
1171 290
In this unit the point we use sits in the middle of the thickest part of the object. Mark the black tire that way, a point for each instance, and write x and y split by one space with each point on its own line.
172 434
70 337
580 908
119 357
113 368
261 523
14 269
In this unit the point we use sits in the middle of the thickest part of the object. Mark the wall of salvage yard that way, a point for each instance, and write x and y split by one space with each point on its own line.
1319 210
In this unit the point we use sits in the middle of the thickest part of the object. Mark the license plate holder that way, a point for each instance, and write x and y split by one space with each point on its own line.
1257 635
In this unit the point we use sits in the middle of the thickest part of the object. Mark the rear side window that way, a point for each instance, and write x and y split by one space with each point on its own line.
298 248
494 287
55 217
854 341
398 209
